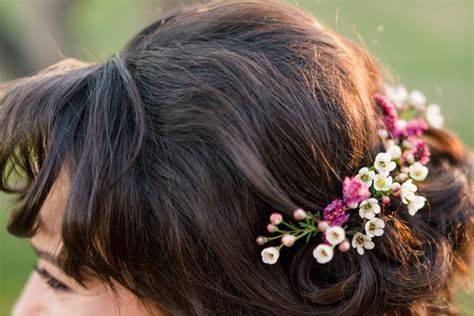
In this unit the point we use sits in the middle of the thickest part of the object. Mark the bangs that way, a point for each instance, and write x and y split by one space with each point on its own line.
33 111
85 118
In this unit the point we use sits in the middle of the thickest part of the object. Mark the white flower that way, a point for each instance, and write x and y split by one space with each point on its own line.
417 171
383 162
389 142
396 94
369 208
365 175
416 203
374 227
323 253
361 241
407 191
382 182
270 255
383 133
433 116
395 151
417 99
401 124
335 235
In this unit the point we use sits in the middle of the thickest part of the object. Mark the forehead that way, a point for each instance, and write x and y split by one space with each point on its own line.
53 207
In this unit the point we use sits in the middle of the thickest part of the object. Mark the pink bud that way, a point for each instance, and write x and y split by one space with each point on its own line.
276 218
395 186
404 170
322 226
344 246
288 240
385 200
383 133
402 177
261 240
271 228
299 214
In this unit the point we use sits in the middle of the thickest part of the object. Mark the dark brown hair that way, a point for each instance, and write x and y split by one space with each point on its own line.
180 147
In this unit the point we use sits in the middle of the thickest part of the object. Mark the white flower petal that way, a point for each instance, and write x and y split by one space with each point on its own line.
368 208
415 204
365 175
417 171
396 94
374 227
407 191
382 182
417 99
369 245
433 116
361 241
270 255
335 235
395 151
323 253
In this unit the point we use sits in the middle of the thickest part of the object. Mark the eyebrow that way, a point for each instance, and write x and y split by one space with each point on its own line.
46 256
53 260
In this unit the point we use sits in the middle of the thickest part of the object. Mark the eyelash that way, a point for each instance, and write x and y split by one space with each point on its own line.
51 281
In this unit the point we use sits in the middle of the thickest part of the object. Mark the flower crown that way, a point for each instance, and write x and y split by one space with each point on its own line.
395 172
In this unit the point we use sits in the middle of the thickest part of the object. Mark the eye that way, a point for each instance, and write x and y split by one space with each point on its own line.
51 281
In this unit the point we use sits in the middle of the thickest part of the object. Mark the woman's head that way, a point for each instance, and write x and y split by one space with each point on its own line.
168 158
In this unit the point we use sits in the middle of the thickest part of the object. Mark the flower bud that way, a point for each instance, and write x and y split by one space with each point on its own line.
299 214
402 177
344 246
276 218
261 240
288 240
271 228
395 186
322 226
385 200
383 133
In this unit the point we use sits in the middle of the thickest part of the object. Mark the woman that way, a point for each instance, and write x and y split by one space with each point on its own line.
145 179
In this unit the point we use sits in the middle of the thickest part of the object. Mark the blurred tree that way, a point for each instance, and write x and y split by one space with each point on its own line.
22 50
36 33
168 5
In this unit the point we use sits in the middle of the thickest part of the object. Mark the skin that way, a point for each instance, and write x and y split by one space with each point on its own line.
66 296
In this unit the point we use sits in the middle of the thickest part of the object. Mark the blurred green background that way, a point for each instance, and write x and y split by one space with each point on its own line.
427 45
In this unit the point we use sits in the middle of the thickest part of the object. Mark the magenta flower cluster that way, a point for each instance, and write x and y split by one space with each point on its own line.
389 114
390 119
393 174
354 191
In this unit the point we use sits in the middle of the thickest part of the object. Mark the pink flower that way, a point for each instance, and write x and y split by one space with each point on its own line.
354 191
335 214
418 151
389 113
421 151
416 128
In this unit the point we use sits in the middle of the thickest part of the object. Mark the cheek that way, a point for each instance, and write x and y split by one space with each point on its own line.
123 303
35 298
